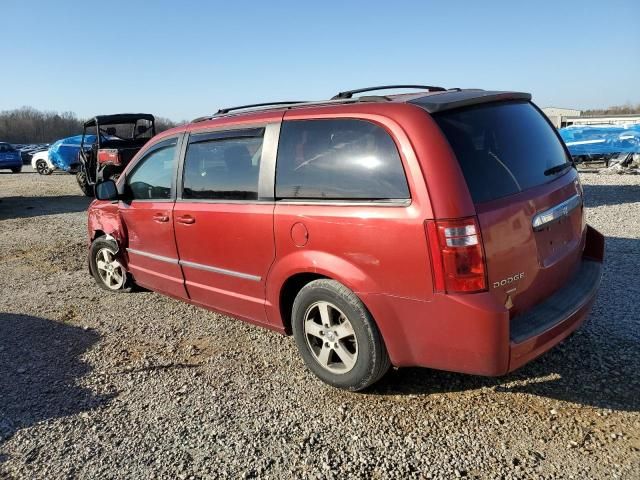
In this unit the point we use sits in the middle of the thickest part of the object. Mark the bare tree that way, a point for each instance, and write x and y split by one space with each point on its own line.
28 125
615 110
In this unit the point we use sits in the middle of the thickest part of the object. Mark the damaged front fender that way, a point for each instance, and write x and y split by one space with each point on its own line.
104 219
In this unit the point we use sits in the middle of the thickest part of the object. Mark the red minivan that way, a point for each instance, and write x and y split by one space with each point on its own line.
442 229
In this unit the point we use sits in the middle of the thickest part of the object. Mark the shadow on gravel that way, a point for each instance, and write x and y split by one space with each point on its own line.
597 366
599 195
39 367
25 207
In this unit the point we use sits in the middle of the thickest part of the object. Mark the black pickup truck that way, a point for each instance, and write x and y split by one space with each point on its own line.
109 142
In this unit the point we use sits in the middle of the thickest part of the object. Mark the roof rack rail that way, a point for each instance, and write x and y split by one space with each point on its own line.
350 93
223 111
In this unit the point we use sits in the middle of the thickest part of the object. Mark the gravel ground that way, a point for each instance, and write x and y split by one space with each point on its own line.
142 386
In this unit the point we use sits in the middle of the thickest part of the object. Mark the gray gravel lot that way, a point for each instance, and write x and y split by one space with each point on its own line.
94 385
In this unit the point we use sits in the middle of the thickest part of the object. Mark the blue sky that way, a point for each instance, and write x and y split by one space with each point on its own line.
182 59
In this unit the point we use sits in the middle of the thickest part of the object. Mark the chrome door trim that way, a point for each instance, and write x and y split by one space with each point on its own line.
222 271
267 178
160 258
199 266
553 214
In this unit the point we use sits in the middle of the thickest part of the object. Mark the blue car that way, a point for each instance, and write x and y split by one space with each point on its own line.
63 154
10 158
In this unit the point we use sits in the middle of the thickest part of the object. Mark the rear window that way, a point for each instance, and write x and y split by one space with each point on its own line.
502 148
344 159
5 147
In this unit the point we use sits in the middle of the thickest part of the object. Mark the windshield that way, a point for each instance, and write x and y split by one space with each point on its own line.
503 148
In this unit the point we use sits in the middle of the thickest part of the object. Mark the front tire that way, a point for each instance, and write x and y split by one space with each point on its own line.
16 169
337 336
106 267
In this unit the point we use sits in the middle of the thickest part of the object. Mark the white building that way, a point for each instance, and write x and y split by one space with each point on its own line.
601 120
564 117
557 115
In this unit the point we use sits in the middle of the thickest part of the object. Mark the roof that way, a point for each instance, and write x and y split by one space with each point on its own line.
432 101
118 118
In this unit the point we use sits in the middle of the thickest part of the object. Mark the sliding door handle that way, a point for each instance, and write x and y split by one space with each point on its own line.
186 219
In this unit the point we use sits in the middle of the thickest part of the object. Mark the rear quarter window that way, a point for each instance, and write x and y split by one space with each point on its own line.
345 159
502 148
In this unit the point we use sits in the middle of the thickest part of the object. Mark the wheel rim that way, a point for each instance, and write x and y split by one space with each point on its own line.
41 167
109 269
330 337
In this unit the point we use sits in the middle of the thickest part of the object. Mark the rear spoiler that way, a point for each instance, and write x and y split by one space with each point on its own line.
450 99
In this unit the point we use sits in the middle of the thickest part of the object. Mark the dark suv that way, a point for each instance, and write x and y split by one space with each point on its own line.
442 229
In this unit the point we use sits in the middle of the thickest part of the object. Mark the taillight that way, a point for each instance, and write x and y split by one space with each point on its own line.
457 257
109 155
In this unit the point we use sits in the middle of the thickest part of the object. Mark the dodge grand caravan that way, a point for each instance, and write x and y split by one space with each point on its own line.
442 229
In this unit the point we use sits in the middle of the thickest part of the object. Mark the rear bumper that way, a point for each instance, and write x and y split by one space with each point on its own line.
473 334
544 326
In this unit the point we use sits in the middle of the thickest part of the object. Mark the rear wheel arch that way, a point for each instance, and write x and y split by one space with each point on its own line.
293 271
296 282
288 293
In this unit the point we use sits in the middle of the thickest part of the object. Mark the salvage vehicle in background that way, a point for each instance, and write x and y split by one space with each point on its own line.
28 150
62 155
41 163
442 229
108 144
10 158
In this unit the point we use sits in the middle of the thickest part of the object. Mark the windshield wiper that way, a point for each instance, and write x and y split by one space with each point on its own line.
558 168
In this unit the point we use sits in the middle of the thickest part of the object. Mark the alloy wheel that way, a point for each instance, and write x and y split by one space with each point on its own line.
330 337
110 270
41 167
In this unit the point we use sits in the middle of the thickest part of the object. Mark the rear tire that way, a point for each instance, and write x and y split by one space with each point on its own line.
107 268
83 182
16 169
337 336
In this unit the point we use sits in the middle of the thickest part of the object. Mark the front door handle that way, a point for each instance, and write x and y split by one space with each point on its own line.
186 219
161 217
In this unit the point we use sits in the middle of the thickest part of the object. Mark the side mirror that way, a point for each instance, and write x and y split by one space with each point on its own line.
106 190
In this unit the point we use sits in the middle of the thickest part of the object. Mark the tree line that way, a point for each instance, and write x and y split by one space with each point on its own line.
615 110
29 125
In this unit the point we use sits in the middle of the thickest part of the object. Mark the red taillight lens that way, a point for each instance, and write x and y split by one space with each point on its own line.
457 257
109 155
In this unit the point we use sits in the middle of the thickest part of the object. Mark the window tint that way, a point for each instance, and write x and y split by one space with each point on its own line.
338 159
5 147
152 177
222 168
502 148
